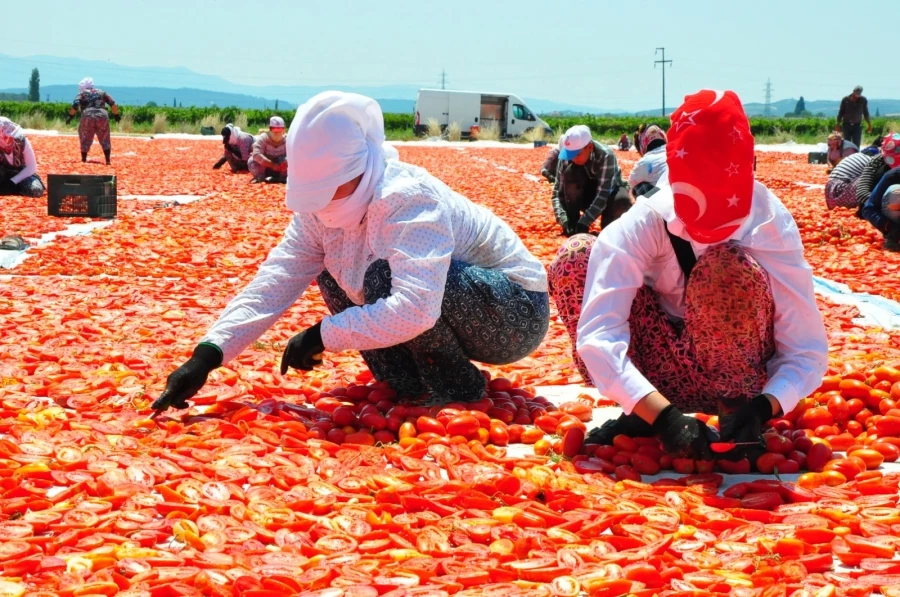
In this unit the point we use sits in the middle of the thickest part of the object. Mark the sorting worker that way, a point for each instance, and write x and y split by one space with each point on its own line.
588 183
854 108
882 208
699 298
877 167
18 166
624 142
268 161
551 163
838 149
418 278
238 148
94 118
840 190
652 165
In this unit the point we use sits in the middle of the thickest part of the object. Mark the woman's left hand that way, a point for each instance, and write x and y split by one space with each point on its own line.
304 351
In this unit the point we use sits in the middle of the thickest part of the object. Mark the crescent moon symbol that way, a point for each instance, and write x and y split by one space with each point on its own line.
719 95
689 190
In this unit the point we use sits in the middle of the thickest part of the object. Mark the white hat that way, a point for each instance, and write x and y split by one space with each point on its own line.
576 138
276 122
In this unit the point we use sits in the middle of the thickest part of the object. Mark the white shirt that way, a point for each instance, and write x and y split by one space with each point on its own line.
416 223
649 168
30 166
635 251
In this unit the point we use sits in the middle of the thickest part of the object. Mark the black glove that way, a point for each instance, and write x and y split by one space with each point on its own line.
219 164
304 351
68 118
117 117
581 228
682 435
568 228
745 426
187 380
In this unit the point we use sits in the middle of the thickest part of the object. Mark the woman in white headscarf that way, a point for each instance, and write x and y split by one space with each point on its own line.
18 167
238 148
418 279
94 118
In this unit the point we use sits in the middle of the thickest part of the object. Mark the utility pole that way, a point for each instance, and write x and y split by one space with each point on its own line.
768 107
664 62
443 79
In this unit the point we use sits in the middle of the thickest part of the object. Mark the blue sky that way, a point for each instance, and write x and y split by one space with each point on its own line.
598 53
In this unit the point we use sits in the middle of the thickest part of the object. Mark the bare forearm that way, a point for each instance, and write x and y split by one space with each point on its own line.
649 407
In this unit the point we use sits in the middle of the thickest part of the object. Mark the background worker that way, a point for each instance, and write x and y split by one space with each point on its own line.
238 148
268 162
18 167
588 182
854 108
652 165
94 118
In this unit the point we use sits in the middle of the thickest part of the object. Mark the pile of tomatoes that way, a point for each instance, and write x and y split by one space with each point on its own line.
326 484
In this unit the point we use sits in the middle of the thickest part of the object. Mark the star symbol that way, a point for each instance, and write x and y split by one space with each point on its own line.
680 153
732 169
733 201
735 135
687 118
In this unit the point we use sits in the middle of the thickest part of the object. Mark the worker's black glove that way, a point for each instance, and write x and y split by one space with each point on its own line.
219 164
568 228
69 118
745 427
682 435
187 380
581 228
304 351
116 117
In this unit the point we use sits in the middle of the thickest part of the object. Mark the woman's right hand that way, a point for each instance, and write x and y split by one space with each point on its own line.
187 380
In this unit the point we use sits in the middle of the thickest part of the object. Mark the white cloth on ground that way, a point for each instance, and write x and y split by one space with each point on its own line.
635 251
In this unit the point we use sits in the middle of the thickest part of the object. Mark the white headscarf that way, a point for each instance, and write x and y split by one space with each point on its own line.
85 84
8 130
334 138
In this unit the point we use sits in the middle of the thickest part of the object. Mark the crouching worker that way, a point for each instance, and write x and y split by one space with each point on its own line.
882 208
238 147
551 163
588 183
699 298
418 279
652 165
267 161
18 167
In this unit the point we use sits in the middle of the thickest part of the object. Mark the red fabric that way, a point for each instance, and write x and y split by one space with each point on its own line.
890 149
710 159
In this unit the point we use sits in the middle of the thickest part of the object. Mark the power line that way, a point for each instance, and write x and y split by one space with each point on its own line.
443 79
663 62
768 107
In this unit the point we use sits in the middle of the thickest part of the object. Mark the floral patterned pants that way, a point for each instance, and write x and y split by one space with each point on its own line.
841 193
712 360
484 317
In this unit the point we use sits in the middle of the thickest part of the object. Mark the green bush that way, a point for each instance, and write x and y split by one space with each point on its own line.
192 115
603 126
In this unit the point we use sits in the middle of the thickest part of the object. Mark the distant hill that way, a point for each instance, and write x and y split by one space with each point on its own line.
139 85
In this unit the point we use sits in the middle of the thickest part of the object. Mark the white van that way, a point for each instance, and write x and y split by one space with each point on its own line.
475 108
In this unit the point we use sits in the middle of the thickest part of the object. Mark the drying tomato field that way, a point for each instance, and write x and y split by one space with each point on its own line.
322 484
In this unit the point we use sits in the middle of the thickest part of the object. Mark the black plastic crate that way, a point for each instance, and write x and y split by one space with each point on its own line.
818 157
81 195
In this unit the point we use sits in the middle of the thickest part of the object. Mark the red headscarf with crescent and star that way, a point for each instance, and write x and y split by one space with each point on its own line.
710 159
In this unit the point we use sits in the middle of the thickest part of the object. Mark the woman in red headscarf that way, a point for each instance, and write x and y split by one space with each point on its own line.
699 299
